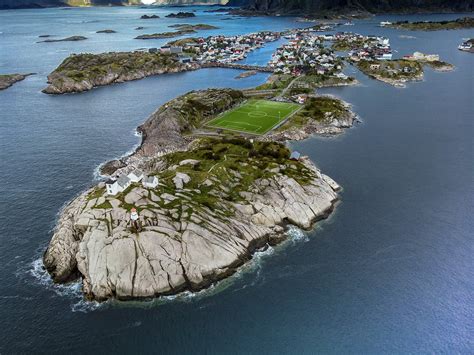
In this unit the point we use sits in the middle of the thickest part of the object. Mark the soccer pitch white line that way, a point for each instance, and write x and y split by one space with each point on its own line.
234 123
266 114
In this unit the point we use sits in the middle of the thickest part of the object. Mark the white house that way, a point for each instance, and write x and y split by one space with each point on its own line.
150 182
115 186
301 99
123 182
135 176
112 187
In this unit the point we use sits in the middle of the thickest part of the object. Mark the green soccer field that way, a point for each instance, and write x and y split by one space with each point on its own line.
254 116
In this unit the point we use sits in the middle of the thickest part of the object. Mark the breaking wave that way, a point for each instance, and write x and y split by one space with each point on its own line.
73 290
98 176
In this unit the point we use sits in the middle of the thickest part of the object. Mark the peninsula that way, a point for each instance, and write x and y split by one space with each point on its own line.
82 72
393 72
166 34
190 211
460 23
7 80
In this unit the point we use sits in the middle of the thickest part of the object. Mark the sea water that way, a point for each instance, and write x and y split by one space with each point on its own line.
390 271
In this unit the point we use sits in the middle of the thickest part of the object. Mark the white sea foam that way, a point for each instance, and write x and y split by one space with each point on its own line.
71 290
98 176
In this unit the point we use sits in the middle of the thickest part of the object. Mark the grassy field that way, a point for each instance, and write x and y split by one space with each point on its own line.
254 116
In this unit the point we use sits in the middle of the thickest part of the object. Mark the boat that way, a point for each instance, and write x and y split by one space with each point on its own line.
466 46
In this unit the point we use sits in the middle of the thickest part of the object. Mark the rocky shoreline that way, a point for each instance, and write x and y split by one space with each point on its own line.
83 72
400 83
219 200
7 80
331 126
170 255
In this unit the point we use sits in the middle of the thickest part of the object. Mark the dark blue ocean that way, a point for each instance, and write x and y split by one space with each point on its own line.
391 271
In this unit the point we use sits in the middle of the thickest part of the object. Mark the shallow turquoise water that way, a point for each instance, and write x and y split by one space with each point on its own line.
390 271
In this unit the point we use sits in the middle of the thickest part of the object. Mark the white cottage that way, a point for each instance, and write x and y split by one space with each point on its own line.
112 187
123 182
115 186
150 182
135 176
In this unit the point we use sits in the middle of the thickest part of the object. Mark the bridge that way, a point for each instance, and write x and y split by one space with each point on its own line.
265 69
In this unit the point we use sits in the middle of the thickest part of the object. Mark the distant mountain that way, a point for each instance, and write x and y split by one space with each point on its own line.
374 6
18 4
191 2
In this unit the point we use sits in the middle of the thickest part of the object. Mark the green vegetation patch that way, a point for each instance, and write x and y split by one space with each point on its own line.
391 69
276 82
96 193
104 206
88 66
314 81
255 116
318 109
226 168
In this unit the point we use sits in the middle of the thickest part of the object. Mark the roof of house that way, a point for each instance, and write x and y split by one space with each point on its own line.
123 180
137 173
150 179
110 182
295 155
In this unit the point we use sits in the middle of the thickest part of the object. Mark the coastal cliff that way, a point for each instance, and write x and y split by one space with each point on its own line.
7 80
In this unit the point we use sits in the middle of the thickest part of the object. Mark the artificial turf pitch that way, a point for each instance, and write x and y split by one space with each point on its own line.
254 116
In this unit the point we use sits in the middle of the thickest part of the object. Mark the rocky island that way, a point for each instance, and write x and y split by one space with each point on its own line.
67 39
393 72
182 29
197 27
181 15
82 72
166 34
149 17
7 80
214 202
460 23
106 31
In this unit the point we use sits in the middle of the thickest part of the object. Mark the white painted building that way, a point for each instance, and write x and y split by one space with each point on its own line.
135 176
116 186
112 187
150 182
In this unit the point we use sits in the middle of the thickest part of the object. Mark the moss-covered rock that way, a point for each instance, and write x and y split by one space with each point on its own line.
82 72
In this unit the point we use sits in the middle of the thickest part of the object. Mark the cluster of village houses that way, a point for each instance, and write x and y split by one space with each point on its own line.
120 184
306 52
220 49
418 56
365 47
